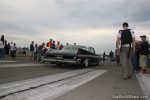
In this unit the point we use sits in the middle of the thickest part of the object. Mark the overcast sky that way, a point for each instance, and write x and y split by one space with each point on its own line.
86 22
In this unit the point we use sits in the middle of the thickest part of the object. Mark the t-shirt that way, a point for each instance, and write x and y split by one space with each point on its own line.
11 47
31 47
144 48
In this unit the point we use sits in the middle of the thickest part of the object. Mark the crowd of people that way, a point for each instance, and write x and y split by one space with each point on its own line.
37 51
7 49
132 54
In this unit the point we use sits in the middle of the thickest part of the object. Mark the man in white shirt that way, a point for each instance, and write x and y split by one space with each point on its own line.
12 49
58 45
1 49
126 40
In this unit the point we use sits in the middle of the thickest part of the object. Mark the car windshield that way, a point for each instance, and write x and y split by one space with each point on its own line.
74 47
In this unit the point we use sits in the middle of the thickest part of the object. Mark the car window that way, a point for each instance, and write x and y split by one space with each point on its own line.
84 48
74 47
91 50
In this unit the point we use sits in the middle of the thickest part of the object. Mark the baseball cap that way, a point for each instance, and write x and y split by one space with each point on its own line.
144 36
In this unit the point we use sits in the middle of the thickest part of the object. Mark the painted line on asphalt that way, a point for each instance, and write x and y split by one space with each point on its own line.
20 65
144 81
7 61
6 89
54 90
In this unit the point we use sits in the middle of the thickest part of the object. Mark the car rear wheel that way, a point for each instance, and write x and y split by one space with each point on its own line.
59 64
98 63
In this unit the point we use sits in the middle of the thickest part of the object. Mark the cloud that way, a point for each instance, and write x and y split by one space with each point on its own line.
89 22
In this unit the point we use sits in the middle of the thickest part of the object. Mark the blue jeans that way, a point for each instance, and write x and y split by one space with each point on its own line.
135 63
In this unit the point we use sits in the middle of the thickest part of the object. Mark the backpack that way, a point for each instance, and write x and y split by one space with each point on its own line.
126 37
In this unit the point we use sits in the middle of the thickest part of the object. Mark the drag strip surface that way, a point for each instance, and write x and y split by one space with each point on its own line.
144 81
48 87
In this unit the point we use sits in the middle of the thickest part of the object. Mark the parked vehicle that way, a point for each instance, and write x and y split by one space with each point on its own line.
73 54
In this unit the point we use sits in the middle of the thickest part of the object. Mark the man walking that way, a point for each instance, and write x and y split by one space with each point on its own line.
125 39
144 51
104 56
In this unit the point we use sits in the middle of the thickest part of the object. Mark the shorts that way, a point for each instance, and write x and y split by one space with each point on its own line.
143 61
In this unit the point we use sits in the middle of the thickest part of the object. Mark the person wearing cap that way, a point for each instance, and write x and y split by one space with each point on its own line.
126 43
144 52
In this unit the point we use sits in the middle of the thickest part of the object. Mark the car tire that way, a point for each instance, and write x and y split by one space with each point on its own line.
59 65
98 63
86 63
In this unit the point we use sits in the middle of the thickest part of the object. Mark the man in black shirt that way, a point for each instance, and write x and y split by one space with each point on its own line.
32 49
144 52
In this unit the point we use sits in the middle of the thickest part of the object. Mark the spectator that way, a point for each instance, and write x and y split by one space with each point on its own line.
40 51
111 55
61 46
53 45
144 51
127 38
135 58
12 50
7 49
50 43
15 49
3 39
104 56
67 43
35 51
1 49
58 45
32 49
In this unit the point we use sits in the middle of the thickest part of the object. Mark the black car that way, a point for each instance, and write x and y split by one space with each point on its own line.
73 54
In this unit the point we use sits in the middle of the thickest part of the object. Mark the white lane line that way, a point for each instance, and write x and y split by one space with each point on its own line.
144 81
20 65
26 84
54 90
6 61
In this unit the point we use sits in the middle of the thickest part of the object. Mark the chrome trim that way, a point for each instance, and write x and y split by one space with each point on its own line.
68 61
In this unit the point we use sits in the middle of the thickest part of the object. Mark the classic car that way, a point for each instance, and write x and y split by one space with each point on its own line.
73 54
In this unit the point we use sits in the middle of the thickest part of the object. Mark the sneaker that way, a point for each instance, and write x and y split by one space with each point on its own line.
143 71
